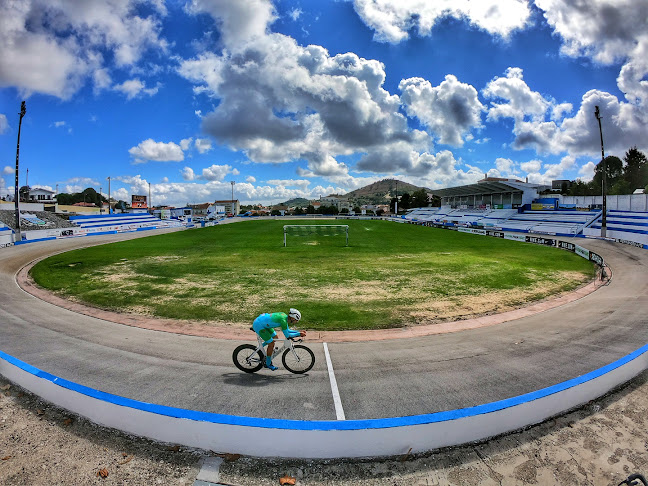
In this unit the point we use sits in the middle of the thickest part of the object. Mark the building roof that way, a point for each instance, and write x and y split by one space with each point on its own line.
38 189
486 187
200 206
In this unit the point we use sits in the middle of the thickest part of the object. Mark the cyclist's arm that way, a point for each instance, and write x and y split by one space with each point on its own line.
282 320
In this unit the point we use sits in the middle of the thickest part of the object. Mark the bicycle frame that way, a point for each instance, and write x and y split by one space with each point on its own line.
287 343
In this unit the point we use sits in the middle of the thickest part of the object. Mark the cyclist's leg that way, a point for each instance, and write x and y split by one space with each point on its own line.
268 336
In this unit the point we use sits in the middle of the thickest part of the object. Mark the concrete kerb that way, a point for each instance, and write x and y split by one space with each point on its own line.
323 439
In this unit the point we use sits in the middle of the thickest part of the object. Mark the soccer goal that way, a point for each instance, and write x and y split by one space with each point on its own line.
316 229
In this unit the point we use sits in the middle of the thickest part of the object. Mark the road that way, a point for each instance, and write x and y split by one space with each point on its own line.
375 379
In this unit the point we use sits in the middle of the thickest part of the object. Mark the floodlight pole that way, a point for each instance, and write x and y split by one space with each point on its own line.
597 114
233 209
23 110
109 208
396 203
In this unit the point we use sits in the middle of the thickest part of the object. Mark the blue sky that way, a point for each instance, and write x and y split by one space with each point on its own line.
296 98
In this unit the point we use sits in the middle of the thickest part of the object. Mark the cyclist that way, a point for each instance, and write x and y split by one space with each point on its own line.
265 324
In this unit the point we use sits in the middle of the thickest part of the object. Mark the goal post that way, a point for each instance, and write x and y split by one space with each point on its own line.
316 229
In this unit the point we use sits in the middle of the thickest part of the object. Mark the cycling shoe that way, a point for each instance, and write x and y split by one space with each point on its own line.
269 365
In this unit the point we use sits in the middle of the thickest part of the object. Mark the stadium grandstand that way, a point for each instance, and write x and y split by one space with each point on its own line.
34 220
121 222
511 205
490 192
629 225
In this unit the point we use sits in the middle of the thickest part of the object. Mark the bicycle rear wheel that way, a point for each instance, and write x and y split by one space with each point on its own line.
298 360
246 359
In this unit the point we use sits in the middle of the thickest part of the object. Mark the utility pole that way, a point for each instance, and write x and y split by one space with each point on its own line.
233 208
23 110
597 114
150 205
396 203
109 207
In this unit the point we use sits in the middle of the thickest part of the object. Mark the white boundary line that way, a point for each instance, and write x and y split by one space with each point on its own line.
339 411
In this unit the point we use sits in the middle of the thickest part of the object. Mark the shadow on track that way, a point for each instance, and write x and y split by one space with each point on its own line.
250 380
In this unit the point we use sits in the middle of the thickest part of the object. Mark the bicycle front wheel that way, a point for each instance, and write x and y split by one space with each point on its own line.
246 359
299 359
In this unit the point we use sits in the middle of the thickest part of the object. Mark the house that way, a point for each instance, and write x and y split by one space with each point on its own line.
41 195
231 206
200 210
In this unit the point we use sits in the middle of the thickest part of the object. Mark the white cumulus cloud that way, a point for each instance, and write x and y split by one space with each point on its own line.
392 20
54 46
450 110
134 88
188 174
216 172
4 124
203 145
156 151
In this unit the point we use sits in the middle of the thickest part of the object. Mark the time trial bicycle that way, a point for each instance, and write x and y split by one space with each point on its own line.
296 358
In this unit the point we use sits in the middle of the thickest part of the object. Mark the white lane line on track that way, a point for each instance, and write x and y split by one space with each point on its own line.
339 411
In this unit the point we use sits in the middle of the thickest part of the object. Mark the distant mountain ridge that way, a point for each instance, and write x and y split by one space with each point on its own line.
379 192
384 189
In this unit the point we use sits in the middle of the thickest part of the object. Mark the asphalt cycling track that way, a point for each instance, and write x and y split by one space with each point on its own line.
373 379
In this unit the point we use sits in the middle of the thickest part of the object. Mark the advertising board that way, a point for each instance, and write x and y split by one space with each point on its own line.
631 243
538 240
596 258
473 231
515 237
138 202
565 245
581 252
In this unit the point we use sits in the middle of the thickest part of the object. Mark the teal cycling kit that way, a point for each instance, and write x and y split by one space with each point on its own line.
265 324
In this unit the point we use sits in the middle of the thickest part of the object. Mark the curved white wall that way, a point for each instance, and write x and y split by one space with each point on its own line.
322 439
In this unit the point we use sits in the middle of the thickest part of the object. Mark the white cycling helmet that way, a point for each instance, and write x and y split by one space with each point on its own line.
295 314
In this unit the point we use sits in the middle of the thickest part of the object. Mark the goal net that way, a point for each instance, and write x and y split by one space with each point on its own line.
316 229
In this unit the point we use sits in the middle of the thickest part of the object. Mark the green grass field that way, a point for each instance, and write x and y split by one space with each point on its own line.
390 275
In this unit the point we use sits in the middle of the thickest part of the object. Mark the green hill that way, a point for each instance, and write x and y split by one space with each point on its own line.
382 191
379 192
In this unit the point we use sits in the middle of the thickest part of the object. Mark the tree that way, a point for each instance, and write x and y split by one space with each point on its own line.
405 201
23 193
275 212
298 210
310 209
621 187
635 171
87 195
419 199
614 170
123 205
579 188
344 211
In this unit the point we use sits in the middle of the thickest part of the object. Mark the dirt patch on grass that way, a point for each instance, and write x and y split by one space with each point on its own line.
415 296
463 306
